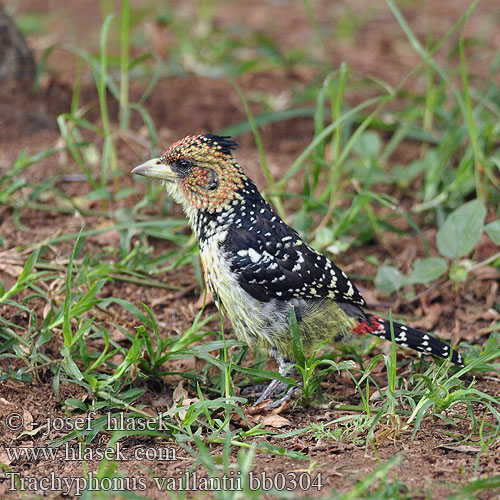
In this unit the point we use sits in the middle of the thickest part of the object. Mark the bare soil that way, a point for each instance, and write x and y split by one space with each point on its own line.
196 104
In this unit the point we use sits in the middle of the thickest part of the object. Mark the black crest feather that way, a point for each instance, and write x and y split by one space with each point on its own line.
224 141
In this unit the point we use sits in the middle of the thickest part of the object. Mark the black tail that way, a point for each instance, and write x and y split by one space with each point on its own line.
406 336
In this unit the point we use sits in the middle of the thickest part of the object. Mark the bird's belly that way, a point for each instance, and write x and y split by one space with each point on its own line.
267 323
251 320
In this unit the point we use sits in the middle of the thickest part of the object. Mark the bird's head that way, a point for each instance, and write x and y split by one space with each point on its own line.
198 171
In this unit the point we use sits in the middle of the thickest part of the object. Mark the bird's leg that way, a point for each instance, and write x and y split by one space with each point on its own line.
285 367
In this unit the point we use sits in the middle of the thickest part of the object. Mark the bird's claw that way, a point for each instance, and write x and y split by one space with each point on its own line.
273 388
292 391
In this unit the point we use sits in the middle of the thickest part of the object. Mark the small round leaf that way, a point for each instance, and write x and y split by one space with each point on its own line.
493 231
368 145
425 270
389 279
461 230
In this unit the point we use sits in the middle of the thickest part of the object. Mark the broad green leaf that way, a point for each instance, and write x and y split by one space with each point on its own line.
493 231
425 270
324 237
101 193
461 230
76 403
389 279
368 145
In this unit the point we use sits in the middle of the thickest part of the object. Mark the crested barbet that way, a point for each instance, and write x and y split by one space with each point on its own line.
258 269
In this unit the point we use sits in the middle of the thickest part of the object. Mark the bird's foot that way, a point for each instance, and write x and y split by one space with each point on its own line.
253 391
274 387
289 394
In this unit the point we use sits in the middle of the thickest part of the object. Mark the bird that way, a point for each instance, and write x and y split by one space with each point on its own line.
258 269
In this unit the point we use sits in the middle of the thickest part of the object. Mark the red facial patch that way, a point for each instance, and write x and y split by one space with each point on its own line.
207 154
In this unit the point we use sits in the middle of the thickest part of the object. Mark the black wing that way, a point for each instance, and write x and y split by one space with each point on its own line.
272 262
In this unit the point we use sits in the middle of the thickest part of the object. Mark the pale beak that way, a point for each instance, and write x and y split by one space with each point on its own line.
155 168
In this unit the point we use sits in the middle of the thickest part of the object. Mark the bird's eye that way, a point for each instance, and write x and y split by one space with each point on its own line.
183 164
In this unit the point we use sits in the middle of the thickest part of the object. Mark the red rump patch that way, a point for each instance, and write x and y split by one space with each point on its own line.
373 324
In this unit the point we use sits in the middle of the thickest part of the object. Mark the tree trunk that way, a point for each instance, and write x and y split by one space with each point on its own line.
16 60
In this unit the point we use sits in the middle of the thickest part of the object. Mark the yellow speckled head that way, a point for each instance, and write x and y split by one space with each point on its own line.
199 172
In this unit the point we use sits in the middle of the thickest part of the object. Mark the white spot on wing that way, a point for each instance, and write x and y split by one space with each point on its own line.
254 256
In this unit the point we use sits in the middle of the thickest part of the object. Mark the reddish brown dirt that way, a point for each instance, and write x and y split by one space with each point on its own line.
198 104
